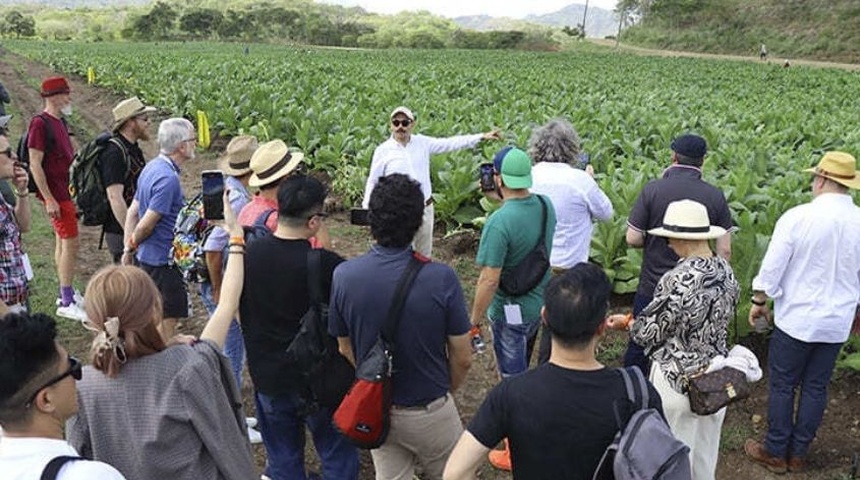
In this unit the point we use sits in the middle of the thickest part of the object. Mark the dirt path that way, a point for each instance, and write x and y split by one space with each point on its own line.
718 56
839 436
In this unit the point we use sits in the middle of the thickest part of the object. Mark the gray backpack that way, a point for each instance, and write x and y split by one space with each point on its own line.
644 447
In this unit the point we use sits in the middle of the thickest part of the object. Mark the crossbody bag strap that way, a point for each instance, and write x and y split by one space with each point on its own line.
392 321
52 469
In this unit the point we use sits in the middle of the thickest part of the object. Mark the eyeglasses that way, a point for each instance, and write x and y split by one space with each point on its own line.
405 122
7 152
74 370
142 118
194 139
318 214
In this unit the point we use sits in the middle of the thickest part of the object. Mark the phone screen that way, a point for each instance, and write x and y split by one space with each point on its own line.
213 195
358 216
487 182
584 159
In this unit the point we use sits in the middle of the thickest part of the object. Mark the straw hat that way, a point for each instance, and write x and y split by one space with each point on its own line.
687 220
236 161
127 109
273 161
840 167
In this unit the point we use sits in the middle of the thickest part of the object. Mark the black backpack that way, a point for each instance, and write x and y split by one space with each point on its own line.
52 469
85 180
24 153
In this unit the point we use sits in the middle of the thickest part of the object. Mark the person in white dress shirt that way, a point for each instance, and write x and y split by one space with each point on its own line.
408 153
37 396
812 272
576 197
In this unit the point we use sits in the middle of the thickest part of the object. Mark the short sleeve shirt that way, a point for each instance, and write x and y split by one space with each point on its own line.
510 234
116 168
158 189
362 291
558 421
679 182
58 153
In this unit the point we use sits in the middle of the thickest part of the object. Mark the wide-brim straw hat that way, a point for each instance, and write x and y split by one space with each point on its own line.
236 161
273 161
840 167
128 109
687 220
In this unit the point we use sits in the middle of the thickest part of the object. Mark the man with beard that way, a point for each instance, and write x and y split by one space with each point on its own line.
120 164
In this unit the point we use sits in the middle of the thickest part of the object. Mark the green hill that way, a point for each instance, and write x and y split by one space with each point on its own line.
814 29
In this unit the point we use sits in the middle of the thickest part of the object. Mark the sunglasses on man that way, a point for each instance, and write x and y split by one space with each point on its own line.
74 370
405 122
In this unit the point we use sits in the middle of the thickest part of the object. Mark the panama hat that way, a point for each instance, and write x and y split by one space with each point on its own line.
840 167
127 109
273 161
236 161
4 122
687 220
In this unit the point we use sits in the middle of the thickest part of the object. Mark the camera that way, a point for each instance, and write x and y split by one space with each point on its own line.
359 216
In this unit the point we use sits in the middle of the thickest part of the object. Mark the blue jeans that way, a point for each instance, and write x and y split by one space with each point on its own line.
791 364
635 354
511 345
283 432
234 345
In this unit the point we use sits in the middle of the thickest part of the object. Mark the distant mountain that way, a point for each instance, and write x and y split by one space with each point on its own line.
600 22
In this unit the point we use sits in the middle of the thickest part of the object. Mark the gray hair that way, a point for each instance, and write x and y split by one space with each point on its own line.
172 132
556 141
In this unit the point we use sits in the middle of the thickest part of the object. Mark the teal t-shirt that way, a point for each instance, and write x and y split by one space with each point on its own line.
508 236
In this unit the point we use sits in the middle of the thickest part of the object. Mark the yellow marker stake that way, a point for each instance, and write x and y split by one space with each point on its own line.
203 139
91 75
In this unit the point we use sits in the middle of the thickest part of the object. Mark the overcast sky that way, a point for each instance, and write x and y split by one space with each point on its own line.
456 8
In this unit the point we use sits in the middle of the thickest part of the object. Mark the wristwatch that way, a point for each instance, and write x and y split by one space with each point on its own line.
758 303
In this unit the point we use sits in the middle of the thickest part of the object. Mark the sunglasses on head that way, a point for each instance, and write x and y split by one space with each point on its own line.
74 370
405 122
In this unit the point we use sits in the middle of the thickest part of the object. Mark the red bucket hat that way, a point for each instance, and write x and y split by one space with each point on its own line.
54 86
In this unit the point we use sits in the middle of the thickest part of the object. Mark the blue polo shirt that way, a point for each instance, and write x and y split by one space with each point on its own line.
362 291
158 189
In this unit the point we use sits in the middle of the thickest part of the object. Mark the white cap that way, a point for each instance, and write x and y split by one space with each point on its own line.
404 111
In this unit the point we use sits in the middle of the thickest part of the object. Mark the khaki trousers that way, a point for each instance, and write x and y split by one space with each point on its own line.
419 436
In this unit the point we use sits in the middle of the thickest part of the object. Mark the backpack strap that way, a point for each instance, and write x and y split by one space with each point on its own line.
122 149
542 238
315 277
52 469
639 398
263 218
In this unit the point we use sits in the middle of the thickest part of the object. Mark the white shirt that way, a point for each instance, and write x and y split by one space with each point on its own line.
413 159
812 269
577 201
26 458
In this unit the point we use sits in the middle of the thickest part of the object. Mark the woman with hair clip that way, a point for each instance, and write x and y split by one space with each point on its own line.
158 409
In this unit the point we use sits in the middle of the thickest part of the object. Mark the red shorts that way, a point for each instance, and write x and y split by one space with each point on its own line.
67 225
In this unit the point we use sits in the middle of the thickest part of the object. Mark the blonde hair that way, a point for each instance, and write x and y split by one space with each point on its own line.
128 294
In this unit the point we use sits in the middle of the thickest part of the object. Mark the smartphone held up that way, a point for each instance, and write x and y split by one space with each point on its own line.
213 194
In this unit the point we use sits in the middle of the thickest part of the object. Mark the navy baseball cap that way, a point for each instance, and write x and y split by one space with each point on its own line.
690 145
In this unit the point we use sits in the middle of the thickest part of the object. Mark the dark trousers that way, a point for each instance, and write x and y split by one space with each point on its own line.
794 364
635 354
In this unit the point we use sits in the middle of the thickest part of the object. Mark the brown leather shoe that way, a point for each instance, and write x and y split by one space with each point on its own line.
796 464
756 451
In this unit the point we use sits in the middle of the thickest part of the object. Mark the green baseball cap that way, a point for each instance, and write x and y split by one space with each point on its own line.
515 167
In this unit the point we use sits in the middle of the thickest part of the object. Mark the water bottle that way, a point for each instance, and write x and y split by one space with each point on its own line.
478 345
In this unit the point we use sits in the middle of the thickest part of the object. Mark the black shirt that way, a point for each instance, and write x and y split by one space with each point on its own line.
274 299
679 182
558 421
114 170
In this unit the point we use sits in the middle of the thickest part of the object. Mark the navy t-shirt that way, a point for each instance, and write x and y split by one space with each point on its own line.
558 421
679 182
362 292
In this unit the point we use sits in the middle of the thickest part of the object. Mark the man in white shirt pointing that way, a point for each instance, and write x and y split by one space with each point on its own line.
408 153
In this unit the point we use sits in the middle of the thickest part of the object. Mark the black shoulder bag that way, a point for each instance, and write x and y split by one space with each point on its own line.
527 274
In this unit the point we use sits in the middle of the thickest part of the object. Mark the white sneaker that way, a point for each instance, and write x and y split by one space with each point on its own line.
251 422
254 436
72 312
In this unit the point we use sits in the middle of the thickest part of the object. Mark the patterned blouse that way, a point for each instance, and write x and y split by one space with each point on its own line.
13 278
686 323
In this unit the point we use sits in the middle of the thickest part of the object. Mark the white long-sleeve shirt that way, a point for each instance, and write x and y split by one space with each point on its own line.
578 201
812 269
412 159
26 458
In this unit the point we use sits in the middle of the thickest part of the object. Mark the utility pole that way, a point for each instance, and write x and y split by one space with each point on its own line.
584 16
